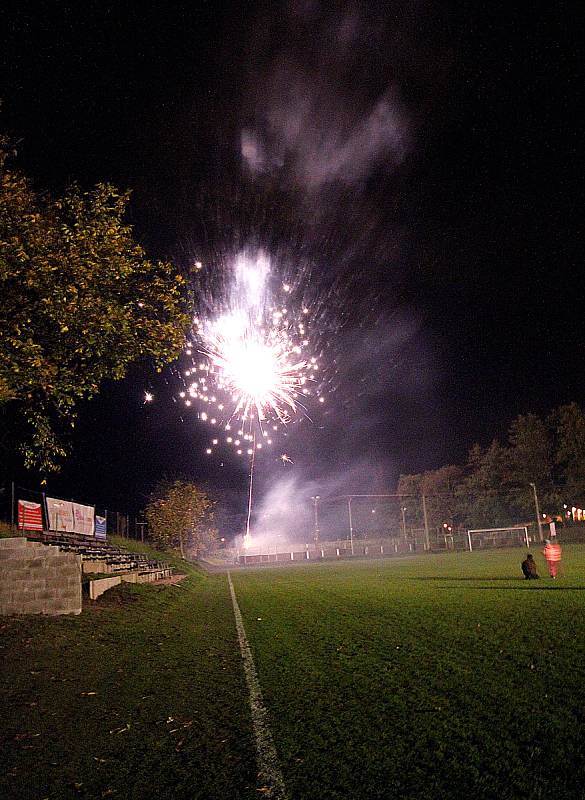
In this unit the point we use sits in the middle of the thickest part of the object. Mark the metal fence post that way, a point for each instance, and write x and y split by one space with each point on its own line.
427 539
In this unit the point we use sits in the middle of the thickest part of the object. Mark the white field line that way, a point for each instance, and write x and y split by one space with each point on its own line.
269 770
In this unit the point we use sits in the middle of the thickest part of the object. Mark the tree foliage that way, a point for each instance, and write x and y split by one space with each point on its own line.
80 303
494 487
568 423
180 516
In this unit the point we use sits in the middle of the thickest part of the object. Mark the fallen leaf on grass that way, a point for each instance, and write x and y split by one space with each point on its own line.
121 730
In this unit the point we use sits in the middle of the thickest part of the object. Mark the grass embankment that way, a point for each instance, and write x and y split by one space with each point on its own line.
435 677
142 696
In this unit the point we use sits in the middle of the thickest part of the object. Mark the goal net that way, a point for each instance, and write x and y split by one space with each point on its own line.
483 538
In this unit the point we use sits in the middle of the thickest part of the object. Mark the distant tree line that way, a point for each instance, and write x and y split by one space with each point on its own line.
494 486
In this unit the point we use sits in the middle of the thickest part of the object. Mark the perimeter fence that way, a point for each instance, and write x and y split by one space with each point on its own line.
115 522
436 521
374 525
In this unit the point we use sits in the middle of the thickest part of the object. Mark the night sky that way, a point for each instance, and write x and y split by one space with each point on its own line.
422 158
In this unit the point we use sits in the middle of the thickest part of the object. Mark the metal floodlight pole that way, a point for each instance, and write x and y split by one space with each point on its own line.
315 500
426 519
403 509
13 499
538 520
350 523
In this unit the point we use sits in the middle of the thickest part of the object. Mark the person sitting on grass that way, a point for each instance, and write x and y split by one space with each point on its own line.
529 568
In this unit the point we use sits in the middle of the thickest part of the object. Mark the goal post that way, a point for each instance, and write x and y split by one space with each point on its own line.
498 537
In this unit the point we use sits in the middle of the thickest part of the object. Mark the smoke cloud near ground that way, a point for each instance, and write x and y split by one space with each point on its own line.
284 506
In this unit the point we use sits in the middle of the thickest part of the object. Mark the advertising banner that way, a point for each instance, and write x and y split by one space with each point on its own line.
30 516
60 514
68 517
83 519
100 527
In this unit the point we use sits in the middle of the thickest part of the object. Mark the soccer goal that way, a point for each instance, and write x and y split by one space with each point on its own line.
483 538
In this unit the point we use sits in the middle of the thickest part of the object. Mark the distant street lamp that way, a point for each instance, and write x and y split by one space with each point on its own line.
403 509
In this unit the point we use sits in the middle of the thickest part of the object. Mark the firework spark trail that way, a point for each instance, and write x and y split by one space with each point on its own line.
255 376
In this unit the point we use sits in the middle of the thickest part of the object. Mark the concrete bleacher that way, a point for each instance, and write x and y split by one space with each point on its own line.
101 558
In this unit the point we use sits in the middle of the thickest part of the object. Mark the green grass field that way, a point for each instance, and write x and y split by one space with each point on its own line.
430 677
141 696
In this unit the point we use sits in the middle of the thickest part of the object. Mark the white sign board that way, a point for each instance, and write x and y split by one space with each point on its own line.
68 517
60 515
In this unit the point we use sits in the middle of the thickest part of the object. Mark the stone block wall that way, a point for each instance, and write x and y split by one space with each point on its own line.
38 579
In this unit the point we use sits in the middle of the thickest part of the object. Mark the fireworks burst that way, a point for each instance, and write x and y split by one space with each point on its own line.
251 369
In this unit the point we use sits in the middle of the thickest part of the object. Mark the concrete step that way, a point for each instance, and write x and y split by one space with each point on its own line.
18 543
20 553
13 541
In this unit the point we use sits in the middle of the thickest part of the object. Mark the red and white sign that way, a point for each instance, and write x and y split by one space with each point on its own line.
30 516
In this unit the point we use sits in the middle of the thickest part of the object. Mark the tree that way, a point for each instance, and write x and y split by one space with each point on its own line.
439 487
530 451
531 461
80 303
485 494
180 516
568 422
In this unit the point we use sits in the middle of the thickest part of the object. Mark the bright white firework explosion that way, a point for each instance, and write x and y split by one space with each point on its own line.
252 371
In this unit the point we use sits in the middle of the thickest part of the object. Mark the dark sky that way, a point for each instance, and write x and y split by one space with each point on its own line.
425 156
